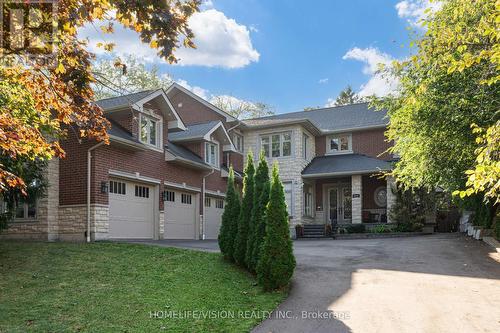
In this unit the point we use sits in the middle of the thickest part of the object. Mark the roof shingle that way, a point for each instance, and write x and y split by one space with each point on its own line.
345 164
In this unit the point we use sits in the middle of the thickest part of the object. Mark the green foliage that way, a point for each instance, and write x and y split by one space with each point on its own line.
382 229
277 262
229 224
450 83
410 208
240 242
33 173
242 109
347 96
257 227
354 229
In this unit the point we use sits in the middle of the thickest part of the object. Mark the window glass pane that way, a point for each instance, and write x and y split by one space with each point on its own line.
275 146
152 132
264 142
287 148
144 129
305 146
31 210
287 136
20 210
344 143
334 144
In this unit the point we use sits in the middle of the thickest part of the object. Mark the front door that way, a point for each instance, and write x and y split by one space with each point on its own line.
340 204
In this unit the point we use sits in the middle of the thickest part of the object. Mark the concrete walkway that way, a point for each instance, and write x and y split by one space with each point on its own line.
437 283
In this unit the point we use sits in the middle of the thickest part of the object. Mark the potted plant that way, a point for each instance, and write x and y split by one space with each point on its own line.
299 230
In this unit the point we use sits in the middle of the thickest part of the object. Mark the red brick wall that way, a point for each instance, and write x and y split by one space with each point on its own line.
236 161
371 143
369 185
192 111
320 145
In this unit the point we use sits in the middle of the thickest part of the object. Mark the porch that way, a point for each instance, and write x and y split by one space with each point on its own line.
347 189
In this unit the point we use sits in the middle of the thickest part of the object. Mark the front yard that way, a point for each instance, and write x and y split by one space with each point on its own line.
108 287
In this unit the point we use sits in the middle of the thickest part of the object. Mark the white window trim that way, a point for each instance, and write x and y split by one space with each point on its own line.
217 154
339 152
159 131
269 135
235 142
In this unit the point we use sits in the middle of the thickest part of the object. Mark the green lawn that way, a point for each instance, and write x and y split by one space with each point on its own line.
109 287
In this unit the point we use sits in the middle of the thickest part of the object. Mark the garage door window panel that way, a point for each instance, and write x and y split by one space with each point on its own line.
186 198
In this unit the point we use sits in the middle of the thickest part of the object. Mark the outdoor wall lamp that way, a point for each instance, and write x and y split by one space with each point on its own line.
104 187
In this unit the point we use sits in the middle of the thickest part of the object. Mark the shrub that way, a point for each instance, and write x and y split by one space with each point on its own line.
381 229
277 262
257 226
355 228
229 224
240 242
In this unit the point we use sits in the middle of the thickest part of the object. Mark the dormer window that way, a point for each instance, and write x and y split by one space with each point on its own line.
337 144
212 154
149 131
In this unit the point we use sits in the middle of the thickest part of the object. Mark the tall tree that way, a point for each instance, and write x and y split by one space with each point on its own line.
451 83
241 109
240 242
347 96
56 91
116 76
277 262
257 226
229 225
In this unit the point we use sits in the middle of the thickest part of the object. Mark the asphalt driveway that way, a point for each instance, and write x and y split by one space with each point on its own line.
437 283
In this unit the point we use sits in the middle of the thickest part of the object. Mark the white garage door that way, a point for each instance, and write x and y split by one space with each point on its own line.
214 207
131 210
180 215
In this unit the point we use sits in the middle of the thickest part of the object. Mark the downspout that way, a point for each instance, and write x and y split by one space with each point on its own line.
203 205
89 174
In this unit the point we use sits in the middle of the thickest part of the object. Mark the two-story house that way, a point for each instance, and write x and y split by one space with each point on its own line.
330 162
164 173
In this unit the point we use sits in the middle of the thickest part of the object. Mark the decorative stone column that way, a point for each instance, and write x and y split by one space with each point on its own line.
357 198
391 196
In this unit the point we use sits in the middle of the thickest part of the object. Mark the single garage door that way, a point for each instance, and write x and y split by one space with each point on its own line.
180 215
131 210
214 207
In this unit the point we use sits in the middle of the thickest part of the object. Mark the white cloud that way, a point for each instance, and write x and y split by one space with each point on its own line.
203 93
207 4
220 42
377 84
415 11
322 81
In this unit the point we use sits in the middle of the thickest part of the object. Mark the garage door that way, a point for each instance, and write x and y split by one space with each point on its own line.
214 207
131 210
180 215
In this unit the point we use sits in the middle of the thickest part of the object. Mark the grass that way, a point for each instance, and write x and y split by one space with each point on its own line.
110 287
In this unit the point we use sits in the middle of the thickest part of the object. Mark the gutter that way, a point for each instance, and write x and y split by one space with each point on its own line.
89 174
342 173
203 204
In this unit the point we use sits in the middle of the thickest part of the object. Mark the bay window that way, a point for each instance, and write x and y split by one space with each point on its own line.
277 145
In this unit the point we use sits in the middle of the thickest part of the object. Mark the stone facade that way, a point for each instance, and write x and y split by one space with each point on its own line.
290 167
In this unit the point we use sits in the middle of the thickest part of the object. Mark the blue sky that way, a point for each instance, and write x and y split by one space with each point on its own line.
289 54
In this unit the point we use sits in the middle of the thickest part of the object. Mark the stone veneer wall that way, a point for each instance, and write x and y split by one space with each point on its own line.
45 226
290 167
73 222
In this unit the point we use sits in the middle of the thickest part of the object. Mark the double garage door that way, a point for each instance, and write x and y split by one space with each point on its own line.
132 212
181 215
131 209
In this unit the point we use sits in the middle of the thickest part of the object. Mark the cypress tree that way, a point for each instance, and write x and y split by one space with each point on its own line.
257 225
240 243
229 224
277 262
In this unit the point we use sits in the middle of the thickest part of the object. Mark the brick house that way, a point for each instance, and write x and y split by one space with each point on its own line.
163 175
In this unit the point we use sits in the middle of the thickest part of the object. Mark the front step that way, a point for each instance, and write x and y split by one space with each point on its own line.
314 231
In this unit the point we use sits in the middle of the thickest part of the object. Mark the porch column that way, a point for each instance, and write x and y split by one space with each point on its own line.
357 198
391 196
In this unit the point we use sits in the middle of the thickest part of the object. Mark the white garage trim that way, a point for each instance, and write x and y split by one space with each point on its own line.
183 186
155 191
215 193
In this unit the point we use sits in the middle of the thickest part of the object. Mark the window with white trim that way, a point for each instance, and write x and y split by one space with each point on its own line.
308 200
212 154
341 143
186 198
141 191
170 196
208 202
150 131
238 142
287 188
277 145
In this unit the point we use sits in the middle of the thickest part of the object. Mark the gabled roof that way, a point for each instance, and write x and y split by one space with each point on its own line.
330 120
194 132
180 154
229 118
122 101
344 164
122 136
